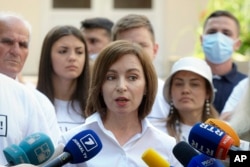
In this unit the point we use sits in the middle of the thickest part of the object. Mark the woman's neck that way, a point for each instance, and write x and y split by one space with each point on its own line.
190 118
123 127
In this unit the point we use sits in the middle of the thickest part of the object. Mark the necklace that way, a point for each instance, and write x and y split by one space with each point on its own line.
180 136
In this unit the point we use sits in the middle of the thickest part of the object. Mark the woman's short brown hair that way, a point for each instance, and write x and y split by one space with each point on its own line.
108 56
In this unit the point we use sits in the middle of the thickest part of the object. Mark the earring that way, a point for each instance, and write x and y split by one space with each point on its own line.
171 111
207 107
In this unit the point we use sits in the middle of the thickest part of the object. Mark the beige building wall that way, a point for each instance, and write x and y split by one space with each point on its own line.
175 23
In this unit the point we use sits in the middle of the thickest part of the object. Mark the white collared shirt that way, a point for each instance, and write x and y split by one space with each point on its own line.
160 109
21 115
128 155
236 96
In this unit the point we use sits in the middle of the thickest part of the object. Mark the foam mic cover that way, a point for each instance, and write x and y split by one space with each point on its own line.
189 157
226 128
154 159
15 155
35 149
80 148
210 140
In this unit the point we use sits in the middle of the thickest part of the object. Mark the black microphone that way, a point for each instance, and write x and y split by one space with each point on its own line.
80 148
211 141
189 157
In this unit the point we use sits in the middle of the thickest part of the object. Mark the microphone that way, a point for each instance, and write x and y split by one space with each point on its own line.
154 159
80 148
226 128
34 149
211 141
58 151
189 157
242 144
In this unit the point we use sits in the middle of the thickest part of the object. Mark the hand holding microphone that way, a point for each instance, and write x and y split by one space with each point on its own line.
82 147
153 159
34 149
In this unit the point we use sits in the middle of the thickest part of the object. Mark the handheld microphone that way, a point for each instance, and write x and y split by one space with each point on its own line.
80 148
58 151
153 159
242 144
226 128
34 149
211 141
189 157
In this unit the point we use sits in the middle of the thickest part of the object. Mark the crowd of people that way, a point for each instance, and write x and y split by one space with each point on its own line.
101 77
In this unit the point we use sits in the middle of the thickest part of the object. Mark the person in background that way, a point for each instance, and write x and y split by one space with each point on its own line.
63 74
97 32
240 115
234 100
189 92
15 34
122 92
138 29
20 116
220 39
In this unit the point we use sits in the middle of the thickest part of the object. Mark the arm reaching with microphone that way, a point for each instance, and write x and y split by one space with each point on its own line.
82 147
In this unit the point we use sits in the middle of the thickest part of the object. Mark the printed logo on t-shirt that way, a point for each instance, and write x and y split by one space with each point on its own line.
3 125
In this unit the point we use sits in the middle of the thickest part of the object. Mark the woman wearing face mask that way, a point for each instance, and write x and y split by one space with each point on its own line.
219 40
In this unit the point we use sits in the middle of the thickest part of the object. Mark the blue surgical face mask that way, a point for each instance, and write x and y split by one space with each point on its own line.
217 47
93 56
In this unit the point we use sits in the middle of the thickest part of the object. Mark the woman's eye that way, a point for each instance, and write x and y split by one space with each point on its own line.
132 78
62 51
178 84
110 78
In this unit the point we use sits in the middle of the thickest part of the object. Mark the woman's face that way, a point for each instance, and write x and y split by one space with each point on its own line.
68 57
124 86
188 91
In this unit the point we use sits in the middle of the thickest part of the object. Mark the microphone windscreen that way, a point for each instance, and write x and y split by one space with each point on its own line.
38 148
226 128
153 159
184 153
15 155
189 157
35 149
83 146
210 140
